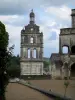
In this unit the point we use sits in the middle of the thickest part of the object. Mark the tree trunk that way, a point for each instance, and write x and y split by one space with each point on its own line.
2 87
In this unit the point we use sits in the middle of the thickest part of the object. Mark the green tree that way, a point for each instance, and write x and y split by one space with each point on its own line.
14 67
3 60
46 65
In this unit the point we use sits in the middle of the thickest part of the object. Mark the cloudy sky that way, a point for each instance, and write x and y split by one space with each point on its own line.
51 15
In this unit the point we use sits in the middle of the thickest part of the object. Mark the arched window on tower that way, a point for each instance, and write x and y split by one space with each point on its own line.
73 50
65 49
34 53
29 53
31 40
24 52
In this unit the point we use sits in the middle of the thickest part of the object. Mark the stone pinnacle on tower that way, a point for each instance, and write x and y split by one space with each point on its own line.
32 17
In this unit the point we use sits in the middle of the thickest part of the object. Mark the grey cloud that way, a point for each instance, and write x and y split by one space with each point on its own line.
59 2
22 20
19 21
12 7
19 7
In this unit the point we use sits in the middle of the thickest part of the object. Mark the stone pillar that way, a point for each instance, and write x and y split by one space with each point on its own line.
36 69
40 53
66 72
29 39
41 69
62 72
69 73
26 52
31 53
31 68
21 52
60 49
36 53
22 39
51 70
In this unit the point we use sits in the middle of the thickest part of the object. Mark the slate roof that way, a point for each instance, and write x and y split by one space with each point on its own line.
55 57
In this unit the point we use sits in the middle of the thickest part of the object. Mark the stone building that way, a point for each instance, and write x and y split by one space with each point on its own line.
31 49
55 65
67 39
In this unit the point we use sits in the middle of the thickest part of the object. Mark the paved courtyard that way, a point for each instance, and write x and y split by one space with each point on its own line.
56 86
19 92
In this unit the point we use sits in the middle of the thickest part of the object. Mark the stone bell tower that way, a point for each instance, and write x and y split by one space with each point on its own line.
31 62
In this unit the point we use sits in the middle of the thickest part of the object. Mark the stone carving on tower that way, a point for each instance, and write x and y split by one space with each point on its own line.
31 62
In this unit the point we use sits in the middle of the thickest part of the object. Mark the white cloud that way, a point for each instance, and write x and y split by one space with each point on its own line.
47 33
22 6
14 37
13 31
7 17
53 25
62 12
15 20
47 25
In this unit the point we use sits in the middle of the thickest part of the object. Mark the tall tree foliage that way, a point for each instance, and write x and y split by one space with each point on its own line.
46 65
3 60
14 67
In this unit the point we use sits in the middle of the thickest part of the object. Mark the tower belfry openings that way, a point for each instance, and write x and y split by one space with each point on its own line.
31 48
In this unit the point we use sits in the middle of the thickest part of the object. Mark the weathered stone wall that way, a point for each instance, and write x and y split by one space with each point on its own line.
31 68
66 38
